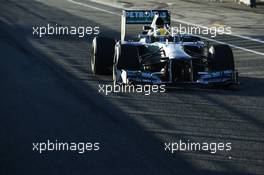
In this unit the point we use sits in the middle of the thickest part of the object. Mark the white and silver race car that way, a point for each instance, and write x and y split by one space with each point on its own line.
159 57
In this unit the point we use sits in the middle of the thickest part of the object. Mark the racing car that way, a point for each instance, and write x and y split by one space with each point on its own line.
160 57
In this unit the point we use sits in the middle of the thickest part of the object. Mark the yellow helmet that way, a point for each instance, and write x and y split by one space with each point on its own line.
162 32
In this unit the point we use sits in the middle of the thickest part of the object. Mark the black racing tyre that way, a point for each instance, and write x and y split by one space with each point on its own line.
102 55
220 57
126 57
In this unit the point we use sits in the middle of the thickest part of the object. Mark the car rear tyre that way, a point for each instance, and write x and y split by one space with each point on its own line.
220 58
102 55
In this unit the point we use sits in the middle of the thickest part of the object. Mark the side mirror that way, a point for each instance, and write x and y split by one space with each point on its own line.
146 28
144 32
164 58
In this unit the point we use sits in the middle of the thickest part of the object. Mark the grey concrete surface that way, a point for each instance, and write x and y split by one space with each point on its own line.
49 92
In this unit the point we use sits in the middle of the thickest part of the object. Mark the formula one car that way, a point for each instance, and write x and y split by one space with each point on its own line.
159 57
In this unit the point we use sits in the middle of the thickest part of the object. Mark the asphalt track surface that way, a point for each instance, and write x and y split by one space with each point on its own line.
48 92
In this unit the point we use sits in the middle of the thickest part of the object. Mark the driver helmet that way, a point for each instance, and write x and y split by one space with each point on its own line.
160 24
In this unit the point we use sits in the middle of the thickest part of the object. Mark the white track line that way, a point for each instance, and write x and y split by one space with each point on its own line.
93 7
239 36
220 42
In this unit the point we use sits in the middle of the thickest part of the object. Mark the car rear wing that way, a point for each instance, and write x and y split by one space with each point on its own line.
141 17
